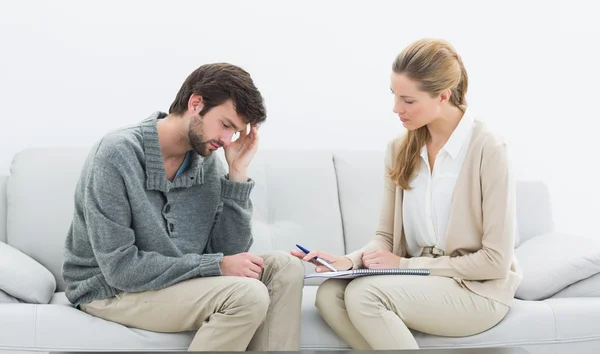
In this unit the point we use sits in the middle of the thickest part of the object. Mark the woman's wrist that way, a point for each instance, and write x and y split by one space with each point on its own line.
351 263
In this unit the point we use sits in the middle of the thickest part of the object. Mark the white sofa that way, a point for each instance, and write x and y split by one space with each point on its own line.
321 199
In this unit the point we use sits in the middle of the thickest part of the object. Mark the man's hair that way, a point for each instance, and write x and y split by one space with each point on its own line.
217 83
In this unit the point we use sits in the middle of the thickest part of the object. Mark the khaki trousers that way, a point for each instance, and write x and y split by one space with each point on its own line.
229 313
376 312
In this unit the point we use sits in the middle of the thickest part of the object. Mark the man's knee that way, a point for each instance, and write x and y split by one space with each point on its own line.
252 296
278 260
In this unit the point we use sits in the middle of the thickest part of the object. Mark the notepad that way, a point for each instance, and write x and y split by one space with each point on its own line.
355 273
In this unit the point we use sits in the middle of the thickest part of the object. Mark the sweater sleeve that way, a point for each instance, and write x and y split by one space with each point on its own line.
108 218
493 260
383 238
232 229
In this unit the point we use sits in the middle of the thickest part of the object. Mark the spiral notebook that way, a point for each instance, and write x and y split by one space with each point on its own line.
355 273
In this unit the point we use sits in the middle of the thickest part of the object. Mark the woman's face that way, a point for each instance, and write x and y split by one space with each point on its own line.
415 108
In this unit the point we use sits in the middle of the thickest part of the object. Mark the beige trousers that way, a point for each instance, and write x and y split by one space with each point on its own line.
229 313
376 312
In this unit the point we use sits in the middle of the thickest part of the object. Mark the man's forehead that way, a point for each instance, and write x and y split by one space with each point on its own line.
229 114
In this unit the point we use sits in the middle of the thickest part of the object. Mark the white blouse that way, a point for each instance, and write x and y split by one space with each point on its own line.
426 207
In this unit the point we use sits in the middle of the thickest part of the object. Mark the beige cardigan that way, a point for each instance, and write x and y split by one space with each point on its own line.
481 230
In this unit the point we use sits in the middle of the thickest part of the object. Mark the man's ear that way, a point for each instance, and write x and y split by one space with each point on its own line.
445 95
195 103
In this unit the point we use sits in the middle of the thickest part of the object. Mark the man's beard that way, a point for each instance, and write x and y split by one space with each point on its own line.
197 138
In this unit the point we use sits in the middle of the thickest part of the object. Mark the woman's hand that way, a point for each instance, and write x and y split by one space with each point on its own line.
380 259
339 263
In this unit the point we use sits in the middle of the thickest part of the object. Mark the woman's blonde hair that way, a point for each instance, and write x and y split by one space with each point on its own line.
435 66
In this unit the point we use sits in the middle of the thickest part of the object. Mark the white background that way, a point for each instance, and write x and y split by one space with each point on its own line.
70 71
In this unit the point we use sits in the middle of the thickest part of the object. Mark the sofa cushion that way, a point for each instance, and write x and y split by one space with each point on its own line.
40 212
589 287
553 261
45 328
24 278
7 299
526 322
60 327
529 322
360 184
295 201
576 319
316 333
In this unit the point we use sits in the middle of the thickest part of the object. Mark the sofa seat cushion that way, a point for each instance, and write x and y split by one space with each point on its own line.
316 334
528 322
53 327
577 319
553 261
58 326
59 298
24 278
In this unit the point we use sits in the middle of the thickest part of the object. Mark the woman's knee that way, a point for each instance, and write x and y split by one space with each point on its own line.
360 289
330 294
363 296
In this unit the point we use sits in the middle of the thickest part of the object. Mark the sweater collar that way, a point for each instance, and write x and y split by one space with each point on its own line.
156 176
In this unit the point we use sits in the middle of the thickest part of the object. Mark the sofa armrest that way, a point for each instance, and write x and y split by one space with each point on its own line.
24 278
553 261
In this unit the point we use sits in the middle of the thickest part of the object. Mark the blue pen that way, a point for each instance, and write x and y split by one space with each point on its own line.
322 261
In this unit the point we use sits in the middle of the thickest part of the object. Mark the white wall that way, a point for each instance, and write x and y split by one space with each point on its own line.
72 70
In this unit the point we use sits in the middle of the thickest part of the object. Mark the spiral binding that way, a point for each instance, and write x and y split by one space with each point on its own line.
391 271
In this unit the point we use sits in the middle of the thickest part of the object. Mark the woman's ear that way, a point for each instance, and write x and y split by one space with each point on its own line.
445 95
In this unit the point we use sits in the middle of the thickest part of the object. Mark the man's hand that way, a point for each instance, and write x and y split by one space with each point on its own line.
242 265
380 259
339 263
240 152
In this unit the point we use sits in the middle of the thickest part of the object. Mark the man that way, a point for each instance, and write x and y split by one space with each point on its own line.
160 231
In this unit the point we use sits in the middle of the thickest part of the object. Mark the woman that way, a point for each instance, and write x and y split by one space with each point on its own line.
448 206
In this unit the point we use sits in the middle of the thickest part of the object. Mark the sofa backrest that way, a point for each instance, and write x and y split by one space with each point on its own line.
295 201
319 199
534 209
40 194
360 185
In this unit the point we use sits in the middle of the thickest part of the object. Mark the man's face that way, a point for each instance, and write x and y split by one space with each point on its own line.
214 129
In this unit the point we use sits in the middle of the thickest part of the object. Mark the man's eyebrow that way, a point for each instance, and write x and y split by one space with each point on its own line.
230 122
